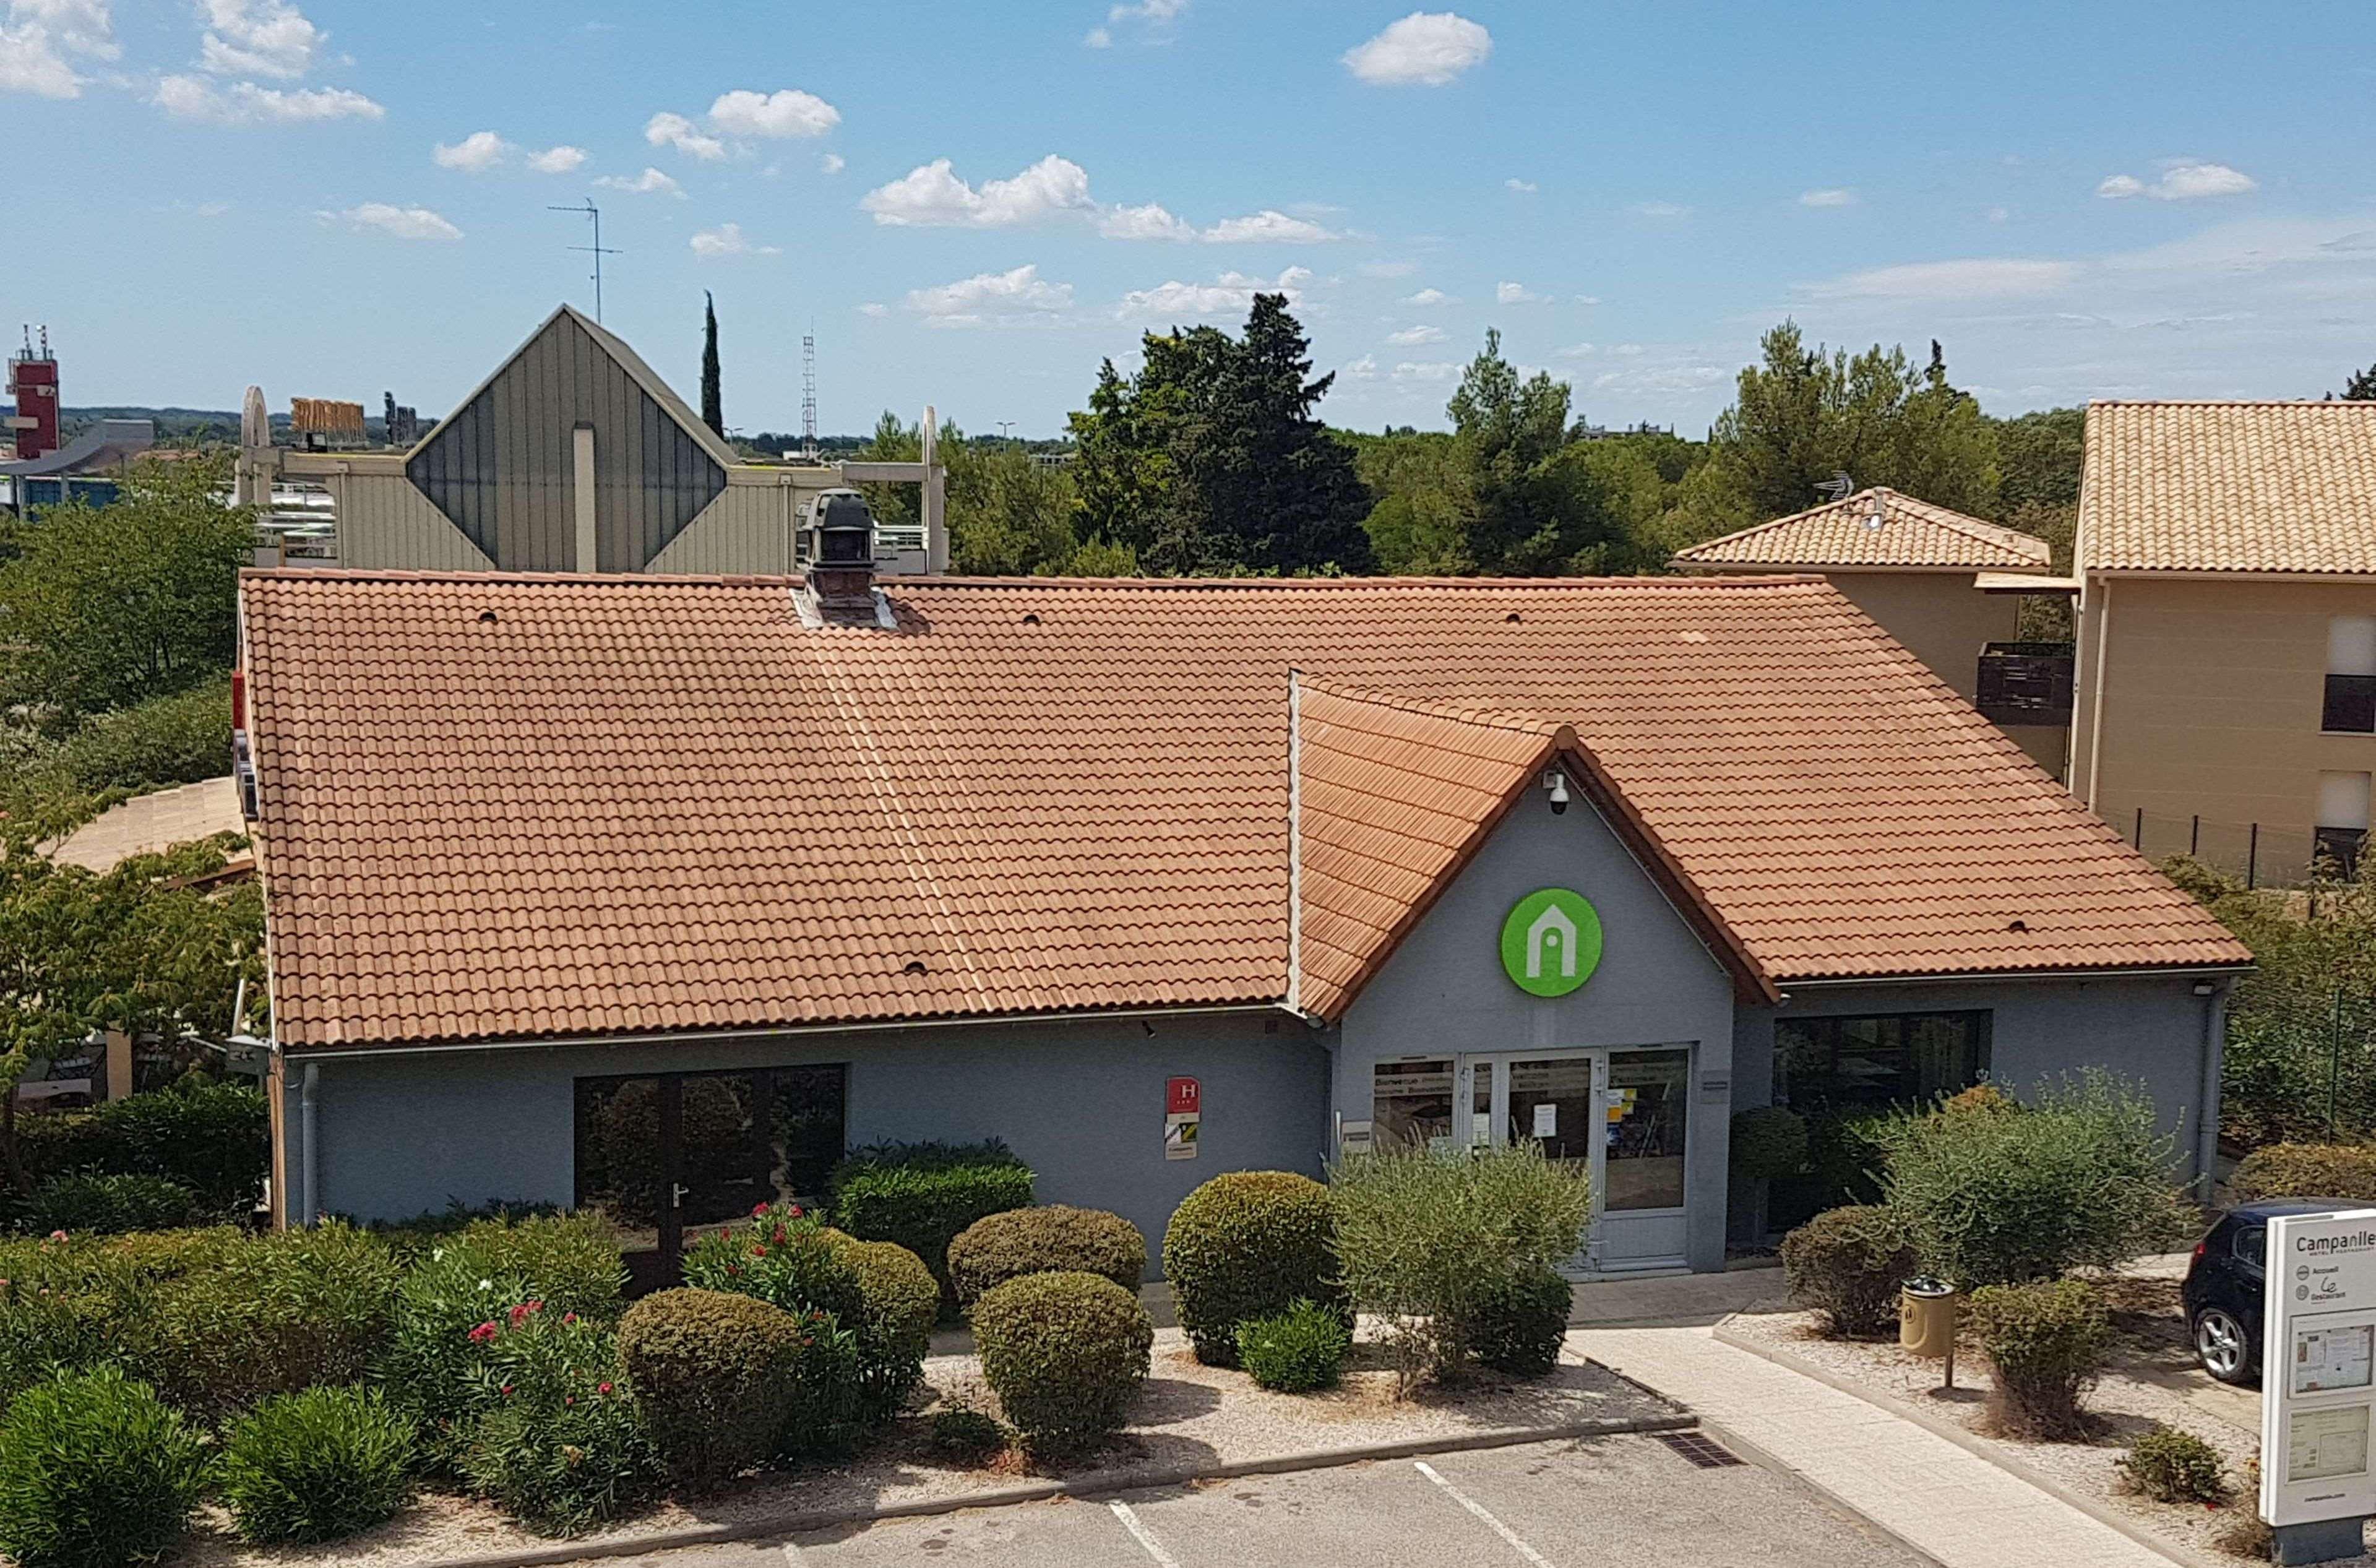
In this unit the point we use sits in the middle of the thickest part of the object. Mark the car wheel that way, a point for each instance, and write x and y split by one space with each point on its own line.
2222 1345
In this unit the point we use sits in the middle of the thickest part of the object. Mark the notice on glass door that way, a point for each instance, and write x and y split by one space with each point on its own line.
1546 1120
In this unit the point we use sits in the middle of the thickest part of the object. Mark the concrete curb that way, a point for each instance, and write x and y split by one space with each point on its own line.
1039 1491
2094 1507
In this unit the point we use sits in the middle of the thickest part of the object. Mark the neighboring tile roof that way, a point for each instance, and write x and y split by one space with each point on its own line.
1913 534
498 806
147 825
2283 488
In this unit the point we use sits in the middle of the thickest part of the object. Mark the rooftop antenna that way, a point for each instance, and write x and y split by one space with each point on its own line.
597 249
808 393
1839 487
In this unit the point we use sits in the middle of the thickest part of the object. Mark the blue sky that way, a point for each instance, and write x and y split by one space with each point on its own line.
2107 199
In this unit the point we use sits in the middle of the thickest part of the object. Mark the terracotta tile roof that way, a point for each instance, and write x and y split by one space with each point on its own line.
2229 487
1912 534
497 806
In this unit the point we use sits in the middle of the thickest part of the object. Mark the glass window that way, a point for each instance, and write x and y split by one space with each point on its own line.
2252 1245
1410 1103
1890 1059
1551 1102
1650 1100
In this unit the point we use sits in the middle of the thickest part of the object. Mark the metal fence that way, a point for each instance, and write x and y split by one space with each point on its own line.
2253 852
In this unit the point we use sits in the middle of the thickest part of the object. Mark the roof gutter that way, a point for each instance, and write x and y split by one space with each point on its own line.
771 1031
2196 971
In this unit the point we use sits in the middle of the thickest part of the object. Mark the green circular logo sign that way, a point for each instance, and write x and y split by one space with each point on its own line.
1551 943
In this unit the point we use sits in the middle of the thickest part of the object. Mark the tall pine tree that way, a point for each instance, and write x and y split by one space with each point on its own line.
713 404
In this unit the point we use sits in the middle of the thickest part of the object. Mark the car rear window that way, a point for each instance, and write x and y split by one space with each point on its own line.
2252 1245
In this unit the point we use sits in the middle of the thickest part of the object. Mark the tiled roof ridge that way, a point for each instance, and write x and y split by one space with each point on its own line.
2339 404
1767 580
1456 713
1915 507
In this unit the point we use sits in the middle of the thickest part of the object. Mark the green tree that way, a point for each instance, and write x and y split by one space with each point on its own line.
1528 515
2038 456
2361 388
108 605
713 398
1007 516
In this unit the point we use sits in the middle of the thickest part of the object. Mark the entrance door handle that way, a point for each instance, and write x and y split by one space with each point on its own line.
677 1191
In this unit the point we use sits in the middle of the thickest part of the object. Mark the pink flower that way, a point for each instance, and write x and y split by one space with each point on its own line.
482 1334
779 1235
734 1268
57 1235
759 1211
507 1391
569 1398
569 1317
602 1388
794 1211
758 1249
519 1314
536 1306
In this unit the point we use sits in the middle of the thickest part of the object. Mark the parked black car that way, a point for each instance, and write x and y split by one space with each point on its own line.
2224 1283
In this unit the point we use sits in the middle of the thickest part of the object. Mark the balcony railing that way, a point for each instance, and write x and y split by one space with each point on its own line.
2024 683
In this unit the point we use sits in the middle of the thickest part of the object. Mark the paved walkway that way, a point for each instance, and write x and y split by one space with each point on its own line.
1938 1498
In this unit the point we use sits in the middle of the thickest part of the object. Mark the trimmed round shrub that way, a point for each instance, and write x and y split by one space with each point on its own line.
1246 1244
2307 1170
88 1204
1846 1265
963 1433
1066 1354
716 1374
318 1465
1295 1351
1768 1141
1519 1322
920 1196
2170 1465
903 1301
1055 1239
95 1471
2045 1343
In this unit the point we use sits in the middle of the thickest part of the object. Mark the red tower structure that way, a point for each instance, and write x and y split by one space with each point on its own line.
33 382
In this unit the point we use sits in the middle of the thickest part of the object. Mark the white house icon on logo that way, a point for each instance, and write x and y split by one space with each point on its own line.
1552 928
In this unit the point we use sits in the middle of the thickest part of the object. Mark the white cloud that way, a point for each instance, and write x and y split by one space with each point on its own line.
1588 299
1152 221
1267 227
930 195
1834 195
874 308
1661 209
1097 38
258 37
1524 187
1363 369
474 154
2180 181
669 129
1426 297
1151 20
245 103
42 40
1016 297
1575 352
833 162
1517 295
727 239
1426 49
1388 268
1426 370
557 159
399 222
1977 277
788 113
1998 214
652 182
1232 293
1411 337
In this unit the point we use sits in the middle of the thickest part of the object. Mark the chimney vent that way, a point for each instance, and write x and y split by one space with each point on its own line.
841 557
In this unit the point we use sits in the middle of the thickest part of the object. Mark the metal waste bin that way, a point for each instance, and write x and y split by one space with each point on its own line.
1926 1316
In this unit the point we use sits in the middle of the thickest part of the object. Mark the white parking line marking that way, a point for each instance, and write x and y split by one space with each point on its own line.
792 1558
1145 1537
1499 1528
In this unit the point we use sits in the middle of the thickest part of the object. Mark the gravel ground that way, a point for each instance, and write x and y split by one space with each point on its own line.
2153 1378
1190 1417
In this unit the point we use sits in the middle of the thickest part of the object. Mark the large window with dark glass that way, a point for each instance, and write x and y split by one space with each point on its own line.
2351 706
1850 1063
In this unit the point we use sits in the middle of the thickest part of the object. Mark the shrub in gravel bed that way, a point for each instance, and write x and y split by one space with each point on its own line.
1296 1351
963 1433
921 1195
903 1301
2169 1464
1518 1323
1052 1239
1249 1243
95 1471
1066 1354
557 1442
1846 1265
2045 1343
2307 1170
716 1375
318 1465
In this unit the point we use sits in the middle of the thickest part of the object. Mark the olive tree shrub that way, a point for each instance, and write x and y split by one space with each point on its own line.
1429 1243
1995 1191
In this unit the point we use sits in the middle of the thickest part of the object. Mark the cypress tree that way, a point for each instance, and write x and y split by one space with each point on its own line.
713 410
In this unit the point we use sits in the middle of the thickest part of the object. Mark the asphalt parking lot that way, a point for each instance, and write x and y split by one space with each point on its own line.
1566 1504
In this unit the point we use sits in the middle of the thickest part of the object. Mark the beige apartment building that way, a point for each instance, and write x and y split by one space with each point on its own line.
2227 640
1946 586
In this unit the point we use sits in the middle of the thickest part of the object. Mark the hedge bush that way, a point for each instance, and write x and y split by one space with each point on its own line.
1519 1322
85 1203
1996 1195
2307 1170
783 1255
1295 1351
1065 1353
213 1138
2045 1342
920 1196
2170 1465
715 1374
179 739
318 1465
95 1471
903 1301
556 1440
1247 1244
1768 1141
1054 1238
1846 1265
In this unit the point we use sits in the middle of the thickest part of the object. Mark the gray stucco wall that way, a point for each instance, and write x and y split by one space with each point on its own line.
1443 990
1082 1102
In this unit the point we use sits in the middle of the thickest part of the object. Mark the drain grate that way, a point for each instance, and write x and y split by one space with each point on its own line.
1703 1452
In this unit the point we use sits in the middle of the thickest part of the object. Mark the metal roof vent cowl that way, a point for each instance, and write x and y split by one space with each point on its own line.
841 557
